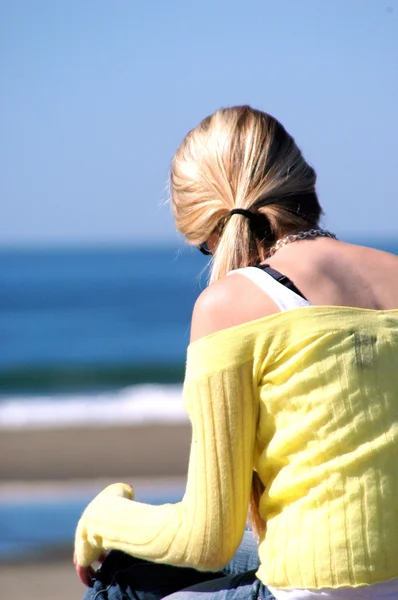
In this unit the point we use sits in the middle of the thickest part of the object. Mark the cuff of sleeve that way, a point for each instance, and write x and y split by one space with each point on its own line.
87 550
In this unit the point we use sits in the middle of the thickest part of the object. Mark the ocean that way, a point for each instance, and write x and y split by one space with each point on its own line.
95 319
83 328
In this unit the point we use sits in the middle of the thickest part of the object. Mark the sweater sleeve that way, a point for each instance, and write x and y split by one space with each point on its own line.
204 529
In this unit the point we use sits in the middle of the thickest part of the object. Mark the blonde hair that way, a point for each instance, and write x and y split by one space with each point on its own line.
242 158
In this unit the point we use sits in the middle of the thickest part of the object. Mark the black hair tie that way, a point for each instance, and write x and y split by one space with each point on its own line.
259 222
242 211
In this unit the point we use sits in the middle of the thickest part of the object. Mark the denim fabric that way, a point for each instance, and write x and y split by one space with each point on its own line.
123 577
245 558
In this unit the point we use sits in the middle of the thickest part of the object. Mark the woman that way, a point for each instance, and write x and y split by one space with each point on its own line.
291 389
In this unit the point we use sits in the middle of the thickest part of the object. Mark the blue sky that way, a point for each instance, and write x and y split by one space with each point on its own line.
96 95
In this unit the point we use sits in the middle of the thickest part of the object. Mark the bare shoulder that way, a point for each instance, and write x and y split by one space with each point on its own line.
212 309
228 302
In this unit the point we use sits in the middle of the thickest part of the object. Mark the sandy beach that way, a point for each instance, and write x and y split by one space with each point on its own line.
90 452
52 581
64 463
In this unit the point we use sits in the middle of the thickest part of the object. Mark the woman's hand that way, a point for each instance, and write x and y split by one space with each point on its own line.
88 545
86 574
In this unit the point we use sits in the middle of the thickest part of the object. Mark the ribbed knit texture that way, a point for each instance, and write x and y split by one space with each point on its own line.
309 398
206 528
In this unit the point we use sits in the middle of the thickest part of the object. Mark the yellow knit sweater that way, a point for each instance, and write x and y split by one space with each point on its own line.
309 398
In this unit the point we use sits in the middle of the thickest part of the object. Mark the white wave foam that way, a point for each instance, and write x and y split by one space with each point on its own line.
136 405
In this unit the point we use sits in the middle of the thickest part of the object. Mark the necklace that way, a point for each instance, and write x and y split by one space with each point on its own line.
302 235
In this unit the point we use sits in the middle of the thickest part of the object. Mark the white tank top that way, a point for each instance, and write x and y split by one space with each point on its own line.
286 299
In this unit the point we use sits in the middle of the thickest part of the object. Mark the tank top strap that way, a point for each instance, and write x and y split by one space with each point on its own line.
267 280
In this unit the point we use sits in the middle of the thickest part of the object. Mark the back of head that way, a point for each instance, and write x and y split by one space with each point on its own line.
242 158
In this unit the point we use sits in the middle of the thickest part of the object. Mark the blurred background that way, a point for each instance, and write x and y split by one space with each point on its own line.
96 288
